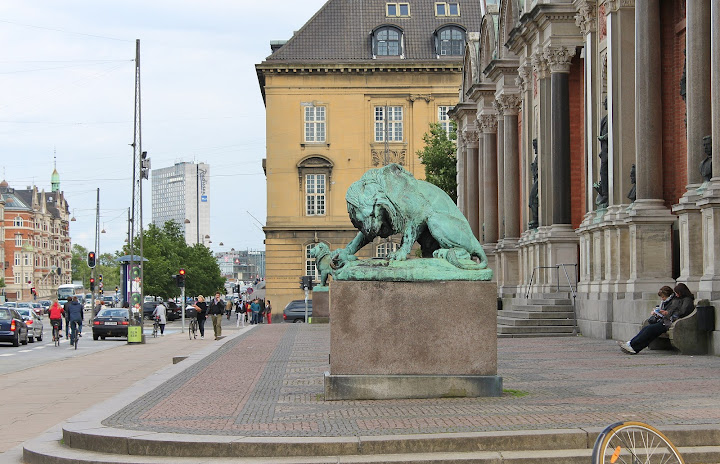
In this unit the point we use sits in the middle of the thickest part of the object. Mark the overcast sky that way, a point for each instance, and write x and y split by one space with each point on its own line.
67 80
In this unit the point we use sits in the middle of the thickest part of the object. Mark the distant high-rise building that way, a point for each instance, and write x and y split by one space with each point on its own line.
181 193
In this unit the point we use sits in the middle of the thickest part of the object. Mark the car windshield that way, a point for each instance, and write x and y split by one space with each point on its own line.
24 312
23 305
5 314
113 313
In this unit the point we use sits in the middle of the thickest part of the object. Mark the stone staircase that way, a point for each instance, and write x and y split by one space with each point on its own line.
541 315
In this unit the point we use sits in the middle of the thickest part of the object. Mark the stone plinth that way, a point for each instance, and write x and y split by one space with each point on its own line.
412 340
321 305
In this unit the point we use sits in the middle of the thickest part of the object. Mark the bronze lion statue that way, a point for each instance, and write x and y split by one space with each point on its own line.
389 200
323 261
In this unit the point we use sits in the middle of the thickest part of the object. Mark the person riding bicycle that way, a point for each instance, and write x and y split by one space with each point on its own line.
55 313
160 315
75 315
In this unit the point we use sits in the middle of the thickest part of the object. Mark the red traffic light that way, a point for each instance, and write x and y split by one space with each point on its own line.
92 281
182 272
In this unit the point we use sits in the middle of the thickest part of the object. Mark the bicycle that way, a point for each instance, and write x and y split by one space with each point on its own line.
56 331
156 327
74 333
193 328
634 443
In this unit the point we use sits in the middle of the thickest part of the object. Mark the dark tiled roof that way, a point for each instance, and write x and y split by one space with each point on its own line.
340 31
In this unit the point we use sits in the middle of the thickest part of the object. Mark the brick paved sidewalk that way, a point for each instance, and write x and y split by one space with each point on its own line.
268 382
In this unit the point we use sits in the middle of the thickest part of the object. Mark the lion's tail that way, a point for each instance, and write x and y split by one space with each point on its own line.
463 262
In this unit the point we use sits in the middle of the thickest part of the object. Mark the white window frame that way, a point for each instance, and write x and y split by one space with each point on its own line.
444 119
315 194
394 123
310 267
446 7
18 258
18 240
385 248
18 278
18 222
27 259
314 123
398 9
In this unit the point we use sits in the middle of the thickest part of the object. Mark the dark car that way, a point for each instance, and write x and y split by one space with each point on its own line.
295 311
12 327
148 308
173 311
111 322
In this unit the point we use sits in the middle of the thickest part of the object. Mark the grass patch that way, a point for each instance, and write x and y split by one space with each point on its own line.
515 393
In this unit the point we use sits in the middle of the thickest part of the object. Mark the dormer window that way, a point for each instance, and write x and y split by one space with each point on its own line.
387 41
450 41
397 9
447 9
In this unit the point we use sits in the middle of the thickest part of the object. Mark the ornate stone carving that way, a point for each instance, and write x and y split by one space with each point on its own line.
706 164
586 16
540 65
470 136
509 103
427 98
603 69
614 5
497 106
632 193
487 123
380 158
601 187
523 76
559 58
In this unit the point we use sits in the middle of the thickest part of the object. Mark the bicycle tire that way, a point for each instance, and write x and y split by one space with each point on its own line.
190 331
631 442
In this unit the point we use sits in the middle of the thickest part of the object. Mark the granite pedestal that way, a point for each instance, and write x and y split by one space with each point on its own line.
412 340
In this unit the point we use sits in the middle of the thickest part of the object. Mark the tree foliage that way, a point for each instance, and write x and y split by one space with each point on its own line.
105 264
166 253
439 158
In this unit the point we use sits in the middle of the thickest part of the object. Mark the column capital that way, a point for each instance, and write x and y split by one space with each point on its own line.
523 76
586 16
498 107
470 136
559 58
612 6
540 65
509 103
488 123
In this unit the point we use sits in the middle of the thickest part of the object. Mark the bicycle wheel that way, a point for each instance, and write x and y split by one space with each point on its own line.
634 443
190 331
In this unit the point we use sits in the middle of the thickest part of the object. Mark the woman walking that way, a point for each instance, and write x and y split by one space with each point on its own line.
268 312
201 308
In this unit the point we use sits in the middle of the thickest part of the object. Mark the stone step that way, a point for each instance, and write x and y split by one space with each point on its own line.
543 308
542 301
535 314
552 295
510 329
533 322
50 450
534 335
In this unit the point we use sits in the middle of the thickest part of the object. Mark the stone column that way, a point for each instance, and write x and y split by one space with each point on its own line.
511 165
545 174
649 220
500 167
460 173
559 59
470 136
488 125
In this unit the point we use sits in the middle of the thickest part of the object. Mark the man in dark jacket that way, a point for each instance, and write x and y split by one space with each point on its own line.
75 314
216 310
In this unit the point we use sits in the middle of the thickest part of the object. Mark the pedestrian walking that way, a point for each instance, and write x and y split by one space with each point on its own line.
201 308
255 309
228 308
240 312
160 312
216 310
268 311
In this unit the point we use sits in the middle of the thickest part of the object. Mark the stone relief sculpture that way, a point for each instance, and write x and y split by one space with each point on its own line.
323 262
388 201
601 187
706 164
533 197
631 194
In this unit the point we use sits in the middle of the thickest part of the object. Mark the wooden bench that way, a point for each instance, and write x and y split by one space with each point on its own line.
684 336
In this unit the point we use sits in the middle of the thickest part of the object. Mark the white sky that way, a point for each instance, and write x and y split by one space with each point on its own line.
67 84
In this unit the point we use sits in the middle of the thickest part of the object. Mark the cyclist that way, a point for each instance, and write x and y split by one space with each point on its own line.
75 317
160 314
56 313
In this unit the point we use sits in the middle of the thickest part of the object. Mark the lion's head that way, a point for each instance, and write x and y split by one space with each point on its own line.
369 209
319 250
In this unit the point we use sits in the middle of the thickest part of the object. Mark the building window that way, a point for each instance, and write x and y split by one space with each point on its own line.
397 9
18 278
17 259
447 9
450 41
384 249
390 127
18 221
310 268
444 119
387 41
18 240
315 124
315 194
26 259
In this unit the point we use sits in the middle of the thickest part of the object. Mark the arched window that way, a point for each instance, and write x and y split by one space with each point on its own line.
310 268
18 221
387 41
450 41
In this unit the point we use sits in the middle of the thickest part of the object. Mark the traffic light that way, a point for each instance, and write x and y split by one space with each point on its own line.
180 278
100 278
117 289
58 270
91 259
306 282
92 284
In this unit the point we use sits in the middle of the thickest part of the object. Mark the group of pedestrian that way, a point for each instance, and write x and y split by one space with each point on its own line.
253 312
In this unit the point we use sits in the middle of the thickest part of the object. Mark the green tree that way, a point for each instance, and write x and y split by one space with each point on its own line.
439 158
78 264
105 264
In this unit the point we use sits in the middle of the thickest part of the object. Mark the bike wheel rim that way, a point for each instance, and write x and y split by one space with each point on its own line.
632 442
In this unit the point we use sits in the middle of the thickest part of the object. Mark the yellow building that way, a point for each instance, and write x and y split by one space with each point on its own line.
355 88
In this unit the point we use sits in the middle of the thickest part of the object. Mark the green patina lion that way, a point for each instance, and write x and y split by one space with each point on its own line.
389 200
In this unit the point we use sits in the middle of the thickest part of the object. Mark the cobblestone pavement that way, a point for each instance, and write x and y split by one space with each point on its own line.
269 382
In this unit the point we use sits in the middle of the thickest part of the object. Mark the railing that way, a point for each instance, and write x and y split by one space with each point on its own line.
573 289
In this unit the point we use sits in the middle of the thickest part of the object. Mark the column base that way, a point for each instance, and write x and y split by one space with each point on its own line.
690 228
709 204
509 269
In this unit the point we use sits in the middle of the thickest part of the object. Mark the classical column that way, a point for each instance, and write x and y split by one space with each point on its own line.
500 167
559 59
460 173
699 115
524 82
511 165
470 136
488 125
715 86
650 222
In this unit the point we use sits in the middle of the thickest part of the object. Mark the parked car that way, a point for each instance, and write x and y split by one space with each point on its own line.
109 301
11 304
34 324
173 311
295 311
148 308
12 327
37 307
111 322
